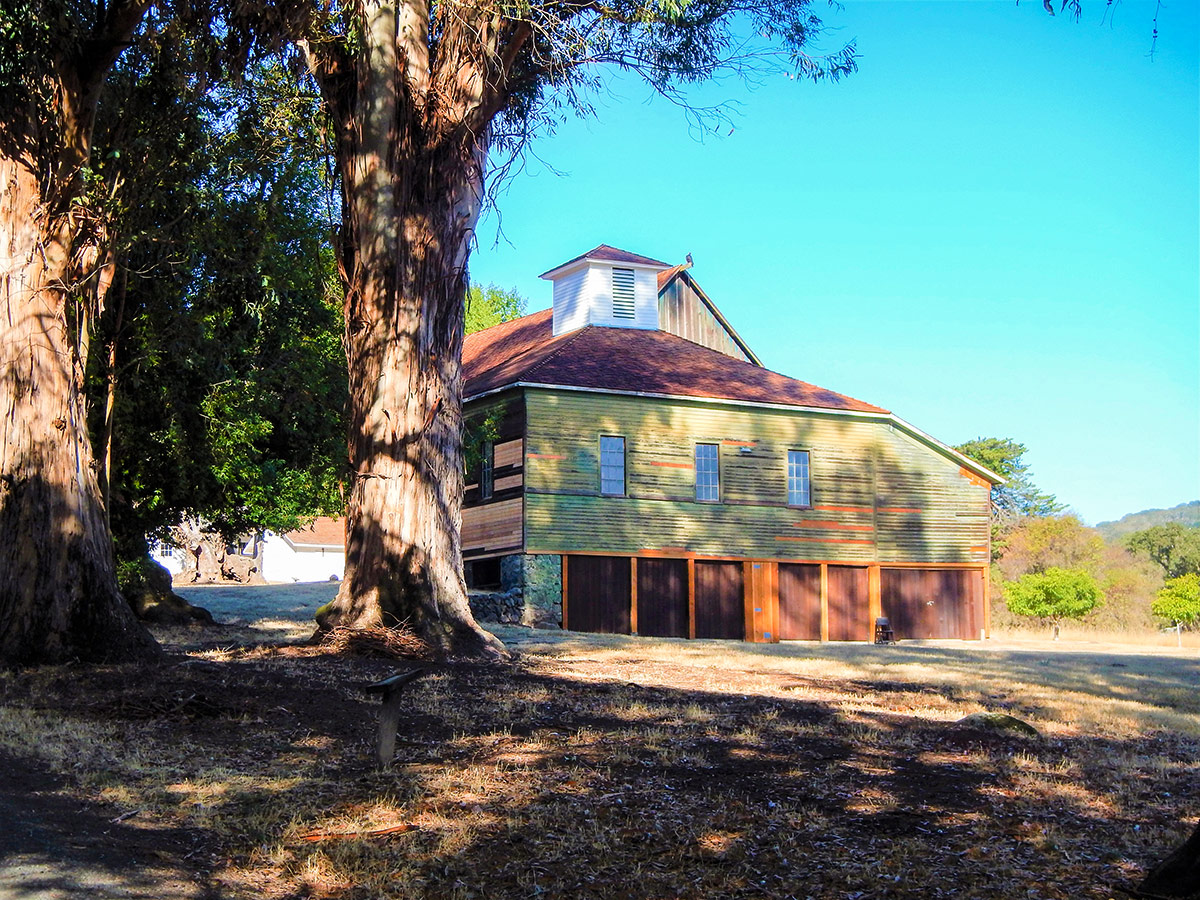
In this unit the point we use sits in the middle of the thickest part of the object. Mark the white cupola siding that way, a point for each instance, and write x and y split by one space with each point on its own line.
613 293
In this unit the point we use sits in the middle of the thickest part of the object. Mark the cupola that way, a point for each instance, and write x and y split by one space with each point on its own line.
607 287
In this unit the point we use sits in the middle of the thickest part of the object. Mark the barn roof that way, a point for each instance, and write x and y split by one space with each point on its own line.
524 351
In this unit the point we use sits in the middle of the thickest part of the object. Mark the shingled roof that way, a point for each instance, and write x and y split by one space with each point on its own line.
628 360
605 253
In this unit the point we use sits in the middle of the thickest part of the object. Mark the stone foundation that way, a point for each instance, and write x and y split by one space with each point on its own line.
530 592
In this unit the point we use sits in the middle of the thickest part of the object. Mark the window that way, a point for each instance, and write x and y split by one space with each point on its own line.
164 551
797 479
612 465
485 471
708 473
622 293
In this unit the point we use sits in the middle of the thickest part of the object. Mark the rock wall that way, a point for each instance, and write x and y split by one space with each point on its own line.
530 592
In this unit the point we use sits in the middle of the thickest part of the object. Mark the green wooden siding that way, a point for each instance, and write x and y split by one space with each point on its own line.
878 493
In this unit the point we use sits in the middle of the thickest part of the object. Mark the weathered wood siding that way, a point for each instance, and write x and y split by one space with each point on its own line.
682 312
799 602
720 606
927 603
598 593
662 597
878 494
496 525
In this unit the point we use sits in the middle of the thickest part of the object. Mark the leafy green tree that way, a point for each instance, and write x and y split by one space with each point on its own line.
1018 496
223 386
1054 595
1173 546
1179 600
491 305
426 100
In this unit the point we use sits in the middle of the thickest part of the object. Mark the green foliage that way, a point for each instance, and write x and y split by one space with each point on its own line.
1173 546
479 431
1179 600
1054 594
491 305
1018 496
225 326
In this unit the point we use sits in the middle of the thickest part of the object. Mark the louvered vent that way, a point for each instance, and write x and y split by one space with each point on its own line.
622 293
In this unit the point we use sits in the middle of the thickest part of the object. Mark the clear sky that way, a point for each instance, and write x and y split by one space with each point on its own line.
992 229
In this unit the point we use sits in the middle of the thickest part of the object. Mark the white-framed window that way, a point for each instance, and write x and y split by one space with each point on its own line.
612 465
799 490
486 469
164 551
624 306
708 473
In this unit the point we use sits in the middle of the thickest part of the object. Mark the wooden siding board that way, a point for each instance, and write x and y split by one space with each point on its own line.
849 605
662 597
599 593
492 526
931 604
682 312
864 473
720 604
799 602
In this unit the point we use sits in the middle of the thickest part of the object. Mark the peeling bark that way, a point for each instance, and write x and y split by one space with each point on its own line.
59 599
58 589
411 161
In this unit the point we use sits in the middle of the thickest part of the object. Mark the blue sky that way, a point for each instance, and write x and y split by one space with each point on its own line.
991 229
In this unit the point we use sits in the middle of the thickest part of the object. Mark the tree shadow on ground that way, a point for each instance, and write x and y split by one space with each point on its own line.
546 779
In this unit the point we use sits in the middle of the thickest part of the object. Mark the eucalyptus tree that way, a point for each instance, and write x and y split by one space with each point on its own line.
427 97
58 594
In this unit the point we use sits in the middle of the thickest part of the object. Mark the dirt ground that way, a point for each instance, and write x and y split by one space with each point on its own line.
593 766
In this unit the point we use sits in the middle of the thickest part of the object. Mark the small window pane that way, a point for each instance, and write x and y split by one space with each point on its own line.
486 466
797 478
612 466
708 475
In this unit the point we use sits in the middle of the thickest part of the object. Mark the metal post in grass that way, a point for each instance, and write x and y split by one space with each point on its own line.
389 713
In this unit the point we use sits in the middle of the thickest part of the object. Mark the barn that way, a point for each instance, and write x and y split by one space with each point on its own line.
641 472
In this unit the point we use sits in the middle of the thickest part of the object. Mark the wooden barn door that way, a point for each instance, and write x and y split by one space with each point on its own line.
933 604
662 597
720 610
799 602
849 604
598 594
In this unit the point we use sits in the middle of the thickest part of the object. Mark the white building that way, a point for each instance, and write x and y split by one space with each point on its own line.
315 553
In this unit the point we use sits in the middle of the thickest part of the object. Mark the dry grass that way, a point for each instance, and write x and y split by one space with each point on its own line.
605 766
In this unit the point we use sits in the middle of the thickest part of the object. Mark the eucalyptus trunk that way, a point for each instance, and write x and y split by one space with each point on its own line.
412 181
58 589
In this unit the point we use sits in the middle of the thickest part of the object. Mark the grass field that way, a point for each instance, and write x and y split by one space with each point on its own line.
603 766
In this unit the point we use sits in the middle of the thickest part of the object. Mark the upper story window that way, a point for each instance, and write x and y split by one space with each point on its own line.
612 465
622 293
486 469
708 473
798 488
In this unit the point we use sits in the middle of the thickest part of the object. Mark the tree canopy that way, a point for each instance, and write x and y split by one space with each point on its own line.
1175 547
491 305
1179 600
1054 594
1018 496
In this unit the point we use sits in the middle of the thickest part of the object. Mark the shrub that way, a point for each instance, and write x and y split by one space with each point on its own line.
1179 600
1054 595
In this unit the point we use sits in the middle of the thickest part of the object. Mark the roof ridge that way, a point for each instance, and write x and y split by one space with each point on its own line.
557 350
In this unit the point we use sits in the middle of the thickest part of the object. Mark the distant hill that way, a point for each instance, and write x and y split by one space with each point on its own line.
1184 514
